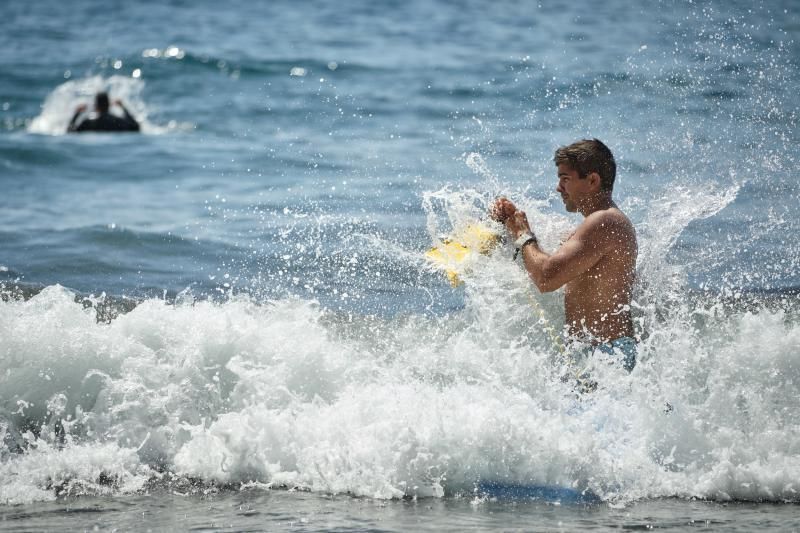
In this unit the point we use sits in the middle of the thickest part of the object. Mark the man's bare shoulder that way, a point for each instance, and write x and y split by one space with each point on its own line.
612 215
606 224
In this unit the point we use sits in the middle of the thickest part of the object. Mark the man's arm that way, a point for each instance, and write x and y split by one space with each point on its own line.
580 253
134 125
73 127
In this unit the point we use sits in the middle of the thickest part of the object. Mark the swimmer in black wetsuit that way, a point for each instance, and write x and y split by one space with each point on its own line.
104 121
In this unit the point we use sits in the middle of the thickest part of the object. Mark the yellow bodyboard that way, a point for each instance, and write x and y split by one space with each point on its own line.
453 252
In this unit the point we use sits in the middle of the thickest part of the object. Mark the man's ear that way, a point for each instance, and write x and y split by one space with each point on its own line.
594 180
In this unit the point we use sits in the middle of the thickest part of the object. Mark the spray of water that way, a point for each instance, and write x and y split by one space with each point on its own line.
287 393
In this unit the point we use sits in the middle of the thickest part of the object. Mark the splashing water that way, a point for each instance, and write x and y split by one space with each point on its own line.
285 393
271 391
476 163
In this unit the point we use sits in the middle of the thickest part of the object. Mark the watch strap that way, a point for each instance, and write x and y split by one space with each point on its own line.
522 241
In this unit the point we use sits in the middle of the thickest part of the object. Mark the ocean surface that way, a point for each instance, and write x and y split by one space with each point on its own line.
227 321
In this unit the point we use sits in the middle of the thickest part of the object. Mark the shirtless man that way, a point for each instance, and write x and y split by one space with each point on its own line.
597 263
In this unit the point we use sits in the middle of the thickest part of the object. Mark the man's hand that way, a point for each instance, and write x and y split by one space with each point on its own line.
502 209
81 108
516 221
517 224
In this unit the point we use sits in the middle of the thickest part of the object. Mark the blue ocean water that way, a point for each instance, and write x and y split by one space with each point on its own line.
239 295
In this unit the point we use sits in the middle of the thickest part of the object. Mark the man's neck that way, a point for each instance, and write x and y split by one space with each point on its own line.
599 202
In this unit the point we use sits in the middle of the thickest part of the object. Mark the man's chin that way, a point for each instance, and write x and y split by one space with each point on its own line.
570 207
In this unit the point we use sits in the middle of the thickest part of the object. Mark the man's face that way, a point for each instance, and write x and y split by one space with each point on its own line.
572 188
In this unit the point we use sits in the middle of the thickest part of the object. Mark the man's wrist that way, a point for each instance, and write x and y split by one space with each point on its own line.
524 238
522 241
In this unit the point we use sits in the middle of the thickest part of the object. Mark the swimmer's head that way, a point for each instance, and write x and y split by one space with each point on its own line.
587 156
101 102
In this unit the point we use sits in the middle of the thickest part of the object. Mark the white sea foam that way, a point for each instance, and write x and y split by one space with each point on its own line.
289 394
